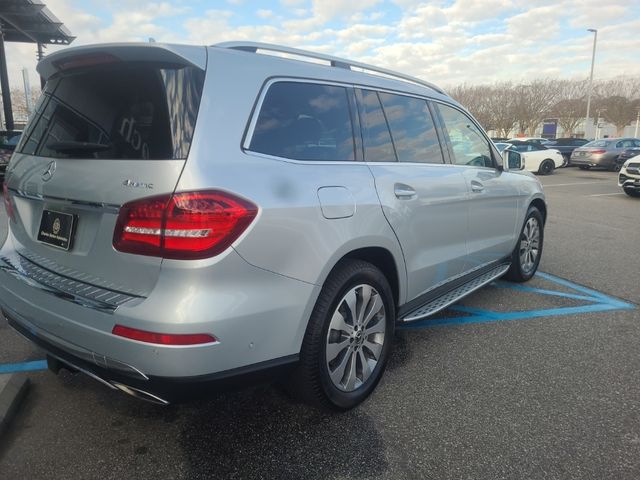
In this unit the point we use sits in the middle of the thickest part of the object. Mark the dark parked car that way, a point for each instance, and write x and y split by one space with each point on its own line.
603 153
627 154
566 146
8 142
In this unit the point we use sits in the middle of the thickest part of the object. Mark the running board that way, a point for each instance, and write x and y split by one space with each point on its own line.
452 296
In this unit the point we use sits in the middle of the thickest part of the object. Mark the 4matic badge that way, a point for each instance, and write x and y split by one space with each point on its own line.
134 184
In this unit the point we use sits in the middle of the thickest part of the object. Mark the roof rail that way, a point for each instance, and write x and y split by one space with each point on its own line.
333 61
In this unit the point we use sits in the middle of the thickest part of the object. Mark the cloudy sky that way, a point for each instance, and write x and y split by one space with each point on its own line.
447 42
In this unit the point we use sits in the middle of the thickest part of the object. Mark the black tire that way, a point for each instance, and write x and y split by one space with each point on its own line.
311 381
616 166
632 192
517 272
546 167
584 167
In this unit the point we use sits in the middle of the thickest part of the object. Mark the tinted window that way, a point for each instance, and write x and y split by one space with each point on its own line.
598 143
123 112
304 121
469 145
522 147
412 129
378 146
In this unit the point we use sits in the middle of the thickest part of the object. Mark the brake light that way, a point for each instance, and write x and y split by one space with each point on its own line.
7 202
185 225
597 152
163 338
86 60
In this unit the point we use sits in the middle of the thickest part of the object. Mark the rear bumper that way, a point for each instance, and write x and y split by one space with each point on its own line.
591 161
258 317
162 390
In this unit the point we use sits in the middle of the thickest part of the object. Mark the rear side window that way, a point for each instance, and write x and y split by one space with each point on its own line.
376 138
305 121
626 144
124 111
412 129
598 143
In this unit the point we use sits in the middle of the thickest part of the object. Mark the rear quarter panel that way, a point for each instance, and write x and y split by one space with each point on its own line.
290 236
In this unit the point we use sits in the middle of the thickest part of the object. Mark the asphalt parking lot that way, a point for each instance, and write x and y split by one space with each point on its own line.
524 382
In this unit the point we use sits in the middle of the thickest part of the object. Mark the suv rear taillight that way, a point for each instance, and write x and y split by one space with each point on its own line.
7 202
185 225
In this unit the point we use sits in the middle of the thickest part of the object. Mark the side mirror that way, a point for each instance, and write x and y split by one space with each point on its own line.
512 159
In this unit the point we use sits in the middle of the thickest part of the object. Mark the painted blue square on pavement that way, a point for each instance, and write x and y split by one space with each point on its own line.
589 301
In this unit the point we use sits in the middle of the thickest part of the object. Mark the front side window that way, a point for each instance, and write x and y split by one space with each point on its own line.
412 129
469 145
305 121
123 111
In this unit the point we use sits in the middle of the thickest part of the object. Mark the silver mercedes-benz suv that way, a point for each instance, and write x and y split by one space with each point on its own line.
189 217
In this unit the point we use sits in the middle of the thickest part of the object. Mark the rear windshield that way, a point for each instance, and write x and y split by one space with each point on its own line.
129 111
597 143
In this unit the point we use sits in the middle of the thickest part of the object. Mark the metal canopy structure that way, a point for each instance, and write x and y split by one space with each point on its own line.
26 21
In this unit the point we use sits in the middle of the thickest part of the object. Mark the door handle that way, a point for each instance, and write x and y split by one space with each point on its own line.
403 191
476 186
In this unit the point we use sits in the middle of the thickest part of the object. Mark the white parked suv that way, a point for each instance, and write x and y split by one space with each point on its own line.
183 217
629 177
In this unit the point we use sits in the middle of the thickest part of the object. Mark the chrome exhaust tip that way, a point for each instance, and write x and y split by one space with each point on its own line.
140 394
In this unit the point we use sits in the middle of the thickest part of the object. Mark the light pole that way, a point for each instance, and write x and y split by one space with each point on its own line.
598 112
637 122
593 59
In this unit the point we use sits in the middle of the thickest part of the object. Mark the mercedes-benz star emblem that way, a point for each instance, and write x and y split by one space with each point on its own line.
48 173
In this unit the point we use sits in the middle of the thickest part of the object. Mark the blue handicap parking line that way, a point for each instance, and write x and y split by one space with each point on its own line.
23 366
596 302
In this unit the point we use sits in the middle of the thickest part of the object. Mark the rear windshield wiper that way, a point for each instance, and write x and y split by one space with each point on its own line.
78 147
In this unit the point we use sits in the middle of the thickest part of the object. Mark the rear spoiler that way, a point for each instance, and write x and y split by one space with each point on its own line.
126 52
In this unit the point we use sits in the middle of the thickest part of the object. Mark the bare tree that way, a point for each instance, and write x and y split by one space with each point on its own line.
491 105
502 106
618 100
474 98
502 98
571 105
533 103
618 110
19 104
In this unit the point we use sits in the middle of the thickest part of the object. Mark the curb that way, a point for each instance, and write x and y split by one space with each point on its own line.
11 395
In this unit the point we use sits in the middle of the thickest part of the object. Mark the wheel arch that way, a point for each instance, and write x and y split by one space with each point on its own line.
541 206
382 259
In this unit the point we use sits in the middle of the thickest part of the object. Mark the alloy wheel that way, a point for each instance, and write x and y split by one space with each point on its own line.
529 245
355 338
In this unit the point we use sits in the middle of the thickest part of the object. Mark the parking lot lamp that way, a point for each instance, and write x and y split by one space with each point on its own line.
637 122
593 58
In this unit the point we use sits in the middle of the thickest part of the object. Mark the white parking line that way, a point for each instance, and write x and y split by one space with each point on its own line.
605 194
568 184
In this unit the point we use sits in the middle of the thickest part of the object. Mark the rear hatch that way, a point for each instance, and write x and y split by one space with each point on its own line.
113 124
